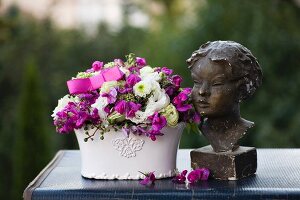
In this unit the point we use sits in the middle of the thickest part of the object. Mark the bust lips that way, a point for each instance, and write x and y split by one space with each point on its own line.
201 103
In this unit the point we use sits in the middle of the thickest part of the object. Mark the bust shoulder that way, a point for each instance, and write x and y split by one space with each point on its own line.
224 136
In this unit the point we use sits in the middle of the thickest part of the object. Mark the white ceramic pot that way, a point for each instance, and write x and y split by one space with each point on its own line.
121 157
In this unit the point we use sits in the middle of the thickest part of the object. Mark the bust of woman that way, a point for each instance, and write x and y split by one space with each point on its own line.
225 73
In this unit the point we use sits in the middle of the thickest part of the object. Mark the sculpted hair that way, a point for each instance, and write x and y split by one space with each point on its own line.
244 66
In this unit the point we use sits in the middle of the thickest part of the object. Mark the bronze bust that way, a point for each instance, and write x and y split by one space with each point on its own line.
225 73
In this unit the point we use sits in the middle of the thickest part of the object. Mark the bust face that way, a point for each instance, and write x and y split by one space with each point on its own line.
214 94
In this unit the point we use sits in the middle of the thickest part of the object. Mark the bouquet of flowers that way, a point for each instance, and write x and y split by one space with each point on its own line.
124 95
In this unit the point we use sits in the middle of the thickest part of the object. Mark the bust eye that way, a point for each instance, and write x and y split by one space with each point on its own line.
218 83
197 82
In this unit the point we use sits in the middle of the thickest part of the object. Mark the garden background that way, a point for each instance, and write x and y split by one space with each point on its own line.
37 57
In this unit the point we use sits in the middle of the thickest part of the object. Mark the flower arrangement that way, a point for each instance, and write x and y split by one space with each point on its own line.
124 95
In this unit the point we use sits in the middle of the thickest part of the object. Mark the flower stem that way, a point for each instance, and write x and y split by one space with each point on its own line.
90 136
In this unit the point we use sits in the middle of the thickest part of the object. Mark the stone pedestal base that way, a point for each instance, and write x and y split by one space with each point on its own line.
226 165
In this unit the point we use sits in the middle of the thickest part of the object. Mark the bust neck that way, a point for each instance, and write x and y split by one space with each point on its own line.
223 132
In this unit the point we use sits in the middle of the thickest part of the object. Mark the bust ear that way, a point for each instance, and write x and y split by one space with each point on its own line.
242 90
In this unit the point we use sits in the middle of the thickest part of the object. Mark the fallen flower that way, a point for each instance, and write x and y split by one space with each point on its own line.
198 174
149 178
180 177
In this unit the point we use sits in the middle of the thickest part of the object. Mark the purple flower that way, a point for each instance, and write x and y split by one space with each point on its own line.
94 116
132 79
198 174
89 98
193 176
140 61
166 70
111 95
121 107
158 122
184 107
141 130
131 108
149 178
180 177
170 90
205 174
82 117
180 102
125 90
107 109
152 137
196 118
176 80
75 116
97 65
182 97
137 130
187 91
126 131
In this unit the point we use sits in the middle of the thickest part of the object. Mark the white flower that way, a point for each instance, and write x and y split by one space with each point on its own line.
146 70
106 86
152 77
62 103
155 89
100 104
148 74
158 101
140 117
142 88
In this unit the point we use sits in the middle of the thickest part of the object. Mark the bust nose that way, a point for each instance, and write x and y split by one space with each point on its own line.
204 90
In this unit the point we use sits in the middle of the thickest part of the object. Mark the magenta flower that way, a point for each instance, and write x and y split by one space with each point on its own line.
205 174
94 116
121 107
131 108
196 175
140 61
107 109
187 91
132 79
97 65
158 122
180 102
128 108
166 70
196 118
180 177
193 176
176 80
82 117
170 90
149 179
76 115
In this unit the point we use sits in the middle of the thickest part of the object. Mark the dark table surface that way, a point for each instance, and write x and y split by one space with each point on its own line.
277 177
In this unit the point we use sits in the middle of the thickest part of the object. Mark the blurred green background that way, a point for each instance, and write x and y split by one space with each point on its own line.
37 58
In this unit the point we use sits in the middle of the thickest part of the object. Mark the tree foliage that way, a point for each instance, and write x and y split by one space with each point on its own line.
31 149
